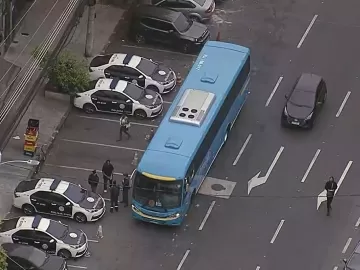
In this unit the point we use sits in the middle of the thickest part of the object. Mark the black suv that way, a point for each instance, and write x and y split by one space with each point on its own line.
304 101
167 26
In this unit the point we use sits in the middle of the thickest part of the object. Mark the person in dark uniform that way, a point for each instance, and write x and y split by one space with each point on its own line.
114 197
107 170
124 126
125 190
93 181
330 188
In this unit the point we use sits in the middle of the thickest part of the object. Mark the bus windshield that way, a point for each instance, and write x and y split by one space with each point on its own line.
164 194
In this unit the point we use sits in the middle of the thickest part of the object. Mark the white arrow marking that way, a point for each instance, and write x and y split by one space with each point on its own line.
322 196
256 180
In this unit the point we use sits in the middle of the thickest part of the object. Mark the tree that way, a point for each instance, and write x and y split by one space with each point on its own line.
3 263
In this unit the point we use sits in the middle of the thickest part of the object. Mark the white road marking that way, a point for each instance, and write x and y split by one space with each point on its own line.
357 222
343 104
77 266
257 268
310 166
207 216
167 102
103 145
277 231
307 31
93 241
335 268
322 196
115 121
76 168
274 90
256 180
158 50
346 245
183 259
242 149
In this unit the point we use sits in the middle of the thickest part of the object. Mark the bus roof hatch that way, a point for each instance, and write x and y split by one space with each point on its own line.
193 107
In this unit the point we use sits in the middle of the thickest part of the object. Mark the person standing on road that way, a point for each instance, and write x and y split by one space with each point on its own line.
93 181
125 190
124 126
330 188
114 197
107 170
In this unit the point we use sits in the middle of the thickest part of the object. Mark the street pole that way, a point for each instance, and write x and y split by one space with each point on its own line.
90 29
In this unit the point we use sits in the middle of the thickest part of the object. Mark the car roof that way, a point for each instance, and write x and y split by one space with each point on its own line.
308 82
111 84
50 184
125 59
160 13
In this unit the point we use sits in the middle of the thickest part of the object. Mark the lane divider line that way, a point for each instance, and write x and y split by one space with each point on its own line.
183 259
159 50
77 266
346 245
307 31
115 121
277 231
343 104
257 268
310 166
207 215
357 222
274 90
242 149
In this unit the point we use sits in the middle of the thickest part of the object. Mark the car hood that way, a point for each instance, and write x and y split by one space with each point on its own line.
162 74
75 237
297 111
54 263
196 30
92 201
151 98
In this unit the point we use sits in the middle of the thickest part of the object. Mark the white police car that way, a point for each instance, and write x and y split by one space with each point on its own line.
135 69
49 235
117 96
60 198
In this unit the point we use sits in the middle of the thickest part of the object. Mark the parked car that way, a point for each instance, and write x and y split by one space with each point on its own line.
60 198
353 263
196 10
46 234
132 68
304 101
167 26
20 257
116 96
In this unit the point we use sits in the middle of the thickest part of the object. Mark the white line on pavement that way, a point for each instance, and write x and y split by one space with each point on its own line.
257 268
206 216
274 90
307 31
335 268
159 50
103 145
77 266
310 166
277 231
93 241
343 103
75 168
183 259
346 245
357 222
242 149
167 102
115 121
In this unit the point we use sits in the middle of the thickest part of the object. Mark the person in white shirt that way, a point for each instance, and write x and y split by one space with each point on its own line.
124 126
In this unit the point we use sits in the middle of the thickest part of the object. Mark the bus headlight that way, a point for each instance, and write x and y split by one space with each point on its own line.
175 215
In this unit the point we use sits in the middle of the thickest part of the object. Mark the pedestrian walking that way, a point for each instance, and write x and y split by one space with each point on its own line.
125 190
93 181
114 197
107 170
330 188
124 126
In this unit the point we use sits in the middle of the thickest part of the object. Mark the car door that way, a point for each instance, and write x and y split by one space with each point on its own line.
60 205
45 242
167 32
101 100
113 71
24 237
121 103
131 75
41 201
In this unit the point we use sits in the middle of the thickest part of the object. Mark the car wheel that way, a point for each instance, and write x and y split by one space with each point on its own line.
153 88
28 209
139 39
80 217
185 48
89 108
140 114
64 254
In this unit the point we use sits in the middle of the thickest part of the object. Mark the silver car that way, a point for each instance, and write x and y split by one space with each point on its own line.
196 10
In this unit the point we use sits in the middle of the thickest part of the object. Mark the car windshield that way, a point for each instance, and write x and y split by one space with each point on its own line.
38 257
75 193
134 91
57 229
302 99
182 24
164 194
200 2
147 67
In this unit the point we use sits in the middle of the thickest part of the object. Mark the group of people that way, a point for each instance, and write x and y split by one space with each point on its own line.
108 179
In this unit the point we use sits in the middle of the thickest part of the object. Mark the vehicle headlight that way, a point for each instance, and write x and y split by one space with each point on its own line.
91 210
285 111
175 215
309 116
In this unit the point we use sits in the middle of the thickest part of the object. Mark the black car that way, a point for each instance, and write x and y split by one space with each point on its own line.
303 103
167 26
20 257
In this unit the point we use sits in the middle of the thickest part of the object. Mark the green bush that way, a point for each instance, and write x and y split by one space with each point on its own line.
3 263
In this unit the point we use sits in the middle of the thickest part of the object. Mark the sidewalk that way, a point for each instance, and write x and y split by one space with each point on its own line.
51 113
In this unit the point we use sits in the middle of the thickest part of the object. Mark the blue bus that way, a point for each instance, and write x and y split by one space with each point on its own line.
191 134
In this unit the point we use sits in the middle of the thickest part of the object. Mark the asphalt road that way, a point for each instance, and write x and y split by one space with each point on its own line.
277 226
